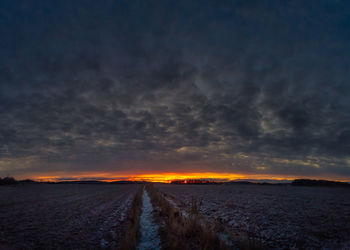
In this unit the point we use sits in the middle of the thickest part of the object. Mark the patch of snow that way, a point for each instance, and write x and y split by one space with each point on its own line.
114 219
183 212
103 243
149 229
275 216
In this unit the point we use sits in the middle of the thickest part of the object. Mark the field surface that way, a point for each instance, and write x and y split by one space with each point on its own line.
63 216
279 217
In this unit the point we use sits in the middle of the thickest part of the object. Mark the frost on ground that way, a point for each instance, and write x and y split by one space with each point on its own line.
65 216
274 216
174 204
108 232
149 229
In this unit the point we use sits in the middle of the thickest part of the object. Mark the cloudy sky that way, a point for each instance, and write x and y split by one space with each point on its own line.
116 87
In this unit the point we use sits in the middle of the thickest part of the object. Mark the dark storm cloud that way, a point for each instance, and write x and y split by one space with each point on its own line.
236 86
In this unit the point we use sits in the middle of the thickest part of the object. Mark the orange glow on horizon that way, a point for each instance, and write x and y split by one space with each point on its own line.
167 177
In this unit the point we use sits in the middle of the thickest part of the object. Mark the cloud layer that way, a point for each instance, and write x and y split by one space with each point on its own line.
255 87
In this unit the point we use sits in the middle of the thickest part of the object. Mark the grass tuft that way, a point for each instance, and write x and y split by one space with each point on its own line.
132 231
178 232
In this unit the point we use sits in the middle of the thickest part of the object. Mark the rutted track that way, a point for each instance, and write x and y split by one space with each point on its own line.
99 217
180 230
148 227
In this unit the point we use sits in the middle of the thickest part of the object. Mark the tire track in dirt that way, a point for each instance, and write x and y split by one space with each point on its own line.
179 229
148 227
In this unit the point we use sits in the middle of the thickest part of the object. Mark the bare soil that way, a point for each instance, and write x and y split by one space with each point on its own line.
64 216
277 217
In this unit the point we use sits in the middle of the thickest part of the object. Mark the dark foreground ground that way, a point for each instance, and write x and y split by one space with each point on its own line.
280 217
66 216
88 216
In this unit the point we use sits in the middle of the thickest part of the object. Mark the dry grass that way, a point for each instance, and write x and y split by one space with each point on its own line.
178 232
249 243
132 231
195 206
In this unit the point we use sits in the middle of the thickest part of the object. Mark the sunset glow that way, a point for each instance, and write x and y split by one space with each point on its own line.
169 124
168 177
109 94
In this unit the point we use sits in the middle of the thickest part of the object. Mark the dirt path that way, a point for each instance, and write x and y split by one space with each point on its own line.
149 229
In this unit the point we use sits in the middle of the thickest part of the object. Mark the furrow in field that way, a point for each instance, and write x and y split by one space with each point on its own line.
148 227
178 231
272 216
72 222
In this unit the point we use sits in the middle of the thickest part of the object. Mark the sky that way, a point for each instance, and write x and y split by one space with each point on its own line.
221 89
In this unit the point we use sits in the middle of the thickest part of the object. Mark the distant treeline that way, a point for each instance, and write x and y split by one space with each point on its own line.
97 182
208 182
13 181
297 182
319 183
8 181
194 181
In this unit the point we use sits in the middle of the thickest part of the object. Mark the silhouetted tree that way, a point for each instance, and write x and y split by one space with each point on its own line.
8 181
